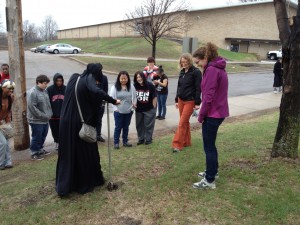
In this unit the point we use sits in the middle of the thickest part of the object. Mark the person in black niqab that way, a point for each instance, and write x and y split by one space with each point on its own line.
78 166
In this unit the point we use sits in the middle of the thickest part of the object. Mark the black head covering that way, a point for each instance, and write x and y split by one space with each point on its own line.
56 76
95 69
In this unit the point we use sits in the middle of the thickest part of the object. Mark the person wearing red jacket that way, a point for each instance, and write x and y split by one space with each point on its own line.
150 70
214 108
4 72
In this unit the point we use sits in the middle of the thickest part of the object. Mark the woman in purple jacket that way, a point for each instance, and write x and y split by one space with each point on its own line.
213 110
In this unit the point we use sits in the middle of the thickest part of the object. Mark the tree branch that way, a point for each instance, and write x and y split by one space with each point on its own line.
282 22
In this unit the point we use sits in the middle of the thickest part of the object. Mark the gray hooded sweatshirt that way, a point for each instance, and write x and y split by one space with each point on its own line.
38 106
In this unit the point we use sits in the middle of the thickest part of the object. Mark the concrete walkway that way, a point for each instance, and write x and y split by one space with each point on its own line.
237 105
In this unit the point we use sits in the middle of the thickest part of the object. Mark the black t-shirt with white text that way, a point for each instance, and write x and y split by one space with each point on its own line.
145 95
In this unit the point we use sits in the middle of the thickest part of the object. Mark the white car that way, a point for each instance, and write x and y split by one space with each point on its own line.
274 54
62 48
33 49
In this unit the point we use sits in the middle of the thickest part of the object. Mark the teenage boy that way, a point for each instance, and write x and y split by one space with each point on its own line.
39 113
4 72
56 94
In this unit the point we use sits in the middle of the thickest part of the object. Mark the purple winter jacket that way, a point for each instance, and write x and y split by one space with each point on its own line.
214 88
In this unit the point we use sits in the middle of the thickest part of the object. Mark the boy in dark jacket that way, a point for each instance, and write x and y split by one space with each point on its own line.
56 94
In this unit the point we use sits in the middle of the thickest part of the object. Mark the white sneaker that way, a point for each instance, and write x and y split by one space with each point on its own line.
204 184
275 92
203 174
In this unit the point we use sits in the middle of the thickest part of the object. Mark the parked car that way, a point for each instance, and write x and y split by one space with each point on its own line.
41 48
62 48
274 54
33 49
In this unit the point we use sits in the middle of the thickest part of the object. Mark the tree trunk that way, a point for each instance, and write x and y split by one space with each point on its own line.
17 73
287 136
154 48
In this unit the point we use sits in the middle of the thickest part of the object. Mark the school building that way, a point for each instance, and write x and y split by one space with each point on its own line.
243 27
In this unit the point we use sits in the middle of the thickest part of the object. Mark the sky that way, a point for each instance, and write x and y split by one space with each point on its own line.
76 13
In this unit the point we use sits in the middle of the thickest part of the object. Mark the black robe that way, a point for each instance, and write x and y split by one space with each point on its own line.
277 74
78 166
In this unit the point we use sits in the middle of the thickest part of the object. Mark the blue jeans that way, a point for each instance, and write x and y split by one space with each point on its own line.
210 128
122 122
161 103
5 156
38 136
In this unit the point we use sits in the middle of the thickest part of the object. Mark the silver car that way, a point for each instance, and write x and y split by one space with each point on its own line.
62 48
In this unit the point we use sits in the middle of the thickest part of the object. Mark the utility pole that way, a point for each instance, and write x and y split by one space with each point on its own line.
17 72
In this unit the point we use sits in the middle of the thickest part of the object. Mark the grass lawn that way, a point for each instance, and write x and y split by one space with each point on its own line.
170 68
156 184
140 48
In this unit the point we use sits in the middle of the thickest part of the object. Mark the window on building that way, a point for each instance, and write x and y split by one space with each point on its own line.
234 47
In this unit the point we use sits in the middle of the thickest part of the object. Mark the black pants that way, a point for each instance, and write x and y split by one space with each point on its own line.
99 120
54 126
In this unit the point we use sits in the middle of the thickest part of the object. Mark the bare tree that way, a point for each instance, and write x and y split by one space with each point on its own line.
48 29
155 19
287 136
30 32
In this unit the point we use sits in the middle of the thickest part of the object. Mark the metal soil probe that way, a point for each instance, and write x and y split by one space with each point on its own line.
110 185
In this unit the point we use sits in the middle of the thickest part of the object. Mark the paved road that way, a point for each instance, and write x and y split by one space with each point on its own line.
239 84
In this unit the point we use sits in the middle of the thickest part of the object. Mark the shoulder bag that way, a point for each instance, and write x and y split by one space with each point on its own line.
87 132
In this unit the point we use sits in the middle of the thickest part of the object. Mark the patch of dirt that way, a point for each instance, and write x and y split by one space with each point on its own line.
242 164
33 197
125 220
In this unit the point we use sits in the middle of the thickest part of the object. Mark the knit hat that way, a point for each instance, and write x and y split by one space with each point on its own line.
8 84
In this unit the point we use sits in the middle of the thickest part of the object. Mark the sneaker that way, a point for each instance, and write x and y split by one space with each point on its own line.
44 152
9 166
275 92
116 146
203 174
162 118
157 117
101 139
204 184
37 156
175 150
127 145
2 167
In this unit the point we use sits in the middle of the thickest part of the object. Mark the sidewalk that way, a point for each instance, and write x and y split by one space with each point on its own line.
238 106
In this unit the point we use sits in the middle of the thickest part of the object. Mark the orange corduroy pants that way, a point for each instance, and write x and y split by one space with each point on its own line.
182 137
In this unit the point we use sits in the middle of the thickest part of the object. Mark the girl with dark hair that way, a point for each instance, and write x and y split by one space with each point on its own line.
213 110
124 91
161 85
6 90
146 108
